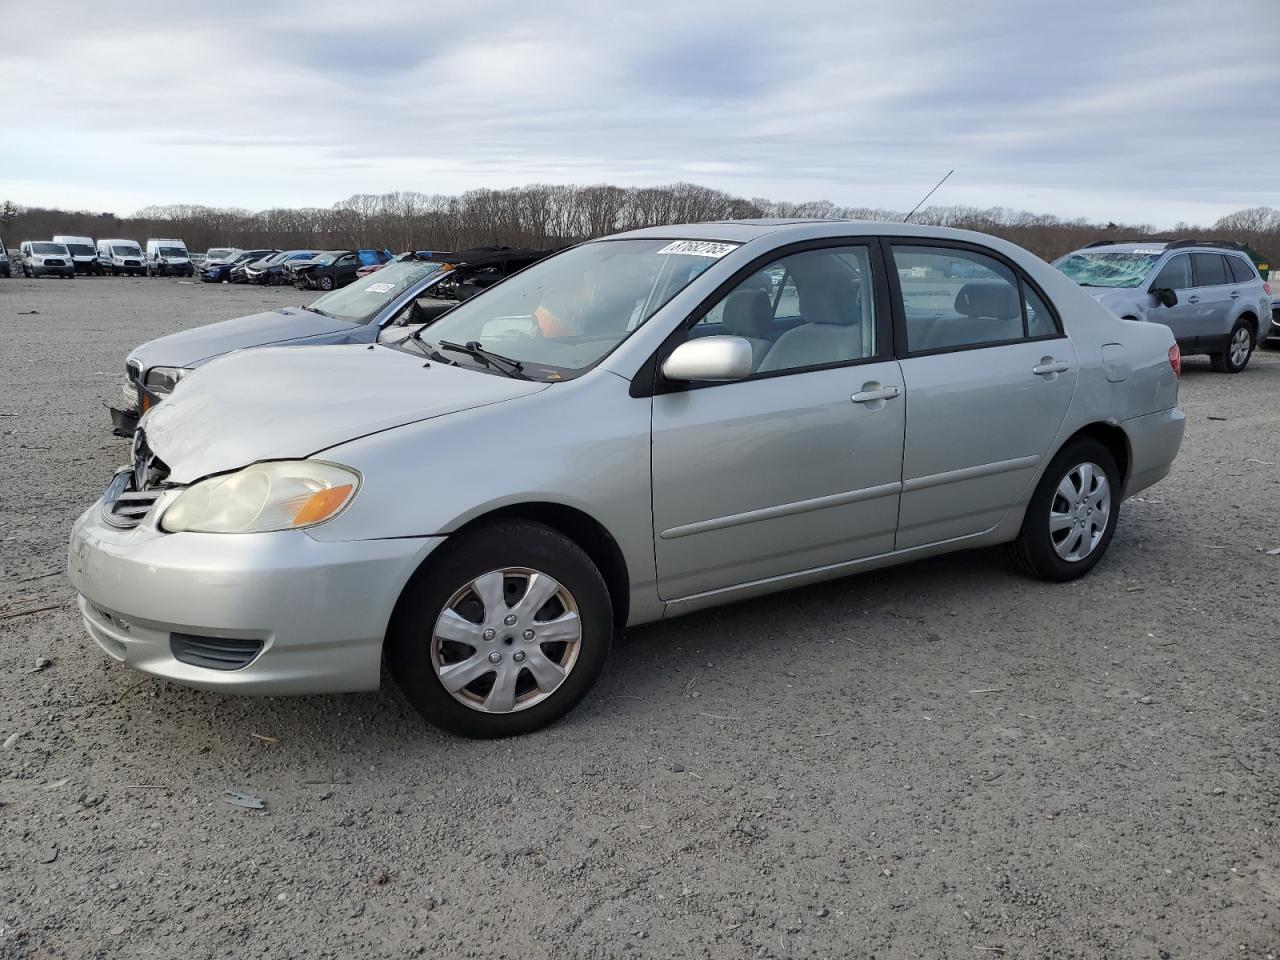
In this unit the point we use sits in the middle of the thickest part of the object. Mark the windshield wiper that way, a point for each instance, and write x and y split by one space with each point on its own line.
496 361
321 312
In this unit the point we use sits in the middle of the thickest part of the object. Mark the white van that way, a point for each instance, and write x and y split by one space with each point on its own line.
44 258
121 256
168 258
82 252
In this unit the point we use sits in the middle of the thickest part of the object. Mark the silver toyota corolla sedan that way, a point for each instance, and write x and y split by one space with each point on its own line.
640 426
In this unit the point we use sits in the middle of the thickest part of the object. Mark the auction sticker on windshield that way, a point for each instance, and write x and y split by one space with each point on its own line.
699 248
380 288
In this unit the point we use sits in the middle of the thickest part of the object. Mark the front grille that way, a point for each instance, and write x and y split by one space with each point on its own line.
55 263
133 491
213 653
132 263
131 508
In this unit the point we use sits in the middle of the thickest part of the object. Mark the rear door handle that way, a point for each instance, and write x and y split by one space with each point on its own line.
1193 299
1048 367
1235 294
871 396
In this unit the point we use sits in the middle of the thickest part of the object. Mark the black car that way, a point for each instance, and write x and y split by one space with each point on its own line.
252 258
326 271
219 271
274 269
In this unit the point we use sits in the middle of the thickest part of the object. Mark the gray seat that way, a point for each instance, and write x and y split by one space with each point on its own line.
988 311
831 305
748 314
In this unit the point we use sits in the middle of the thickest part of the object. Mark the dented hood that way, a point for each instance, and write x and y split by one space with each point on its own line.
287 403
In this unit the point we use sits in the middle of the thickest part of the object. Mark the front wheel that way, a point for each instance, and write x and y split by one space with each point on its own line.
326 283
1072 515
1239 349
502 632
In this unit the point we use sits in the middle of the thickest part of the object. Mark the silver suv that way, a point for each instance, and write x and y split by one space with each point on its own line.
1207 292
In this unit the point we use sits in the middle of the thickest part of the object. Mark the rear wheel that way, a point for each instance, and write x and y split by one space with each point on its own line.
502 632
1072 515
1239 349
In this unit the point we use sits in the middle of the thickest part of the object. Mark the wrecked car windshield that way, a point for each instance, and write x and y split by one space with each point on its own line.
359 301
568 312
1108 269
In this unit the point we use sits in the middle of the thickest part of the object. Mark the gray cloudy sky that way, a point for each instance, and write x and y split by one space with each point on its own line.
1150 111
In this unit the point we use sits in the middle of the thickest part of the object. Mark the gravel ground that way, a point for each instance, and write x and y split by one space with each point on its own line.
942 760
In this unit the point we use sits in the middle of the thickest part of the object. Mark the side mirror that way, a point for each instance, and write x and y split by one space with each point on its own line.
709 358
1165 296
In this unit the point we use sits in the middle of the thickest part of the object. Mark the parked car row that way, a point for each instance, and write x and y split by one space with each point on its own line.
480 472
66 256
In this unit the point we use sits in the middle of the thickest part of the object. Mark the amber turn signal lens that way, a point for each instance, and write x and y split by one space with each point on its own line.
321 505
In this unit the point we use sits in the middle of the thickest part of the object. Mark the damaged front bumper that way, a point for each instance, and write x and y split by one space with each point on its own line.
259 613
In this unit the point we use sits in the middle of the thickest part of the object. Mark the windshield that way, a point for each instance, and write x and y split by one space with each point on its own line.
566 313
81 249
172 252
1091 269
364 298
46 249
126 250
273 259
221 253
252 255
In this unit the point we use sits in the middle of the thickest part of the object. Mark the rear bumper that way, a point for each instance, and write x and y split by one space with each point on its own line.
1154 441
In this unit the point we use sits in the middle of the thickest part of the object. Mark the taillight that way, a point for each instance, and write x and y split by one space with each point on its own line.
1267 287
1175 360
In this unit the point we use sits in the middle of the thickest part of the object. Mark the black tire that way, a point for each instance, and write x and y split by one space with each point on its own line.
450 569
1033 552
1223 362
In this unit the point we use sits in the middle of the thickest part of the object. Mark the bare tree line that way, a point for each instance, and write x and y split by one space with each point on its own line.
541 215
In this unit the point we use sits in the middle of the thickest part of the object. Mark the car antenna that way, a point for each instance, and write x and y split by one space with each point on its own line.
926 197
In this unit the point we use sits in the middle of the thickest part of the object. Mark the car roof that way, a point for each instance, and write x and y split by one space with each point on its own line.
787 230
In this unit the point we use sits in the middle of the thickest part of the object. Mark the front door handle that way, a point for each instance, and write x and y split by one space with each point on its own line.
1193 299
1235 294
1048 367
881 393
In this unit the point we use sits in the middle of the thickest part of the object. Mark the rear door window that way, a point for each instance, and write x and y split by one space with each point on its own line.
954 298
1210 269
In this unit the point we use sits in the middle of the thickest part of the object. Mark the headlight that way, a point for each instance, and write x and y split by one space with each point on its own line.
130 391
163 379
281 495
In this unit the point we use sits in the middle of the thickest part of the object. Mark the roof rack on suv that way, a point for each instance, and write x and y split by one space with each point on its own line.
1169 244
1228 244
1120 243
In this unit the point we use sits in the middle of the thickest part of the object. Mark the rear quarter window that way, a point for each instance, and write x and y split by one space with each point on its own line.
1241 270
